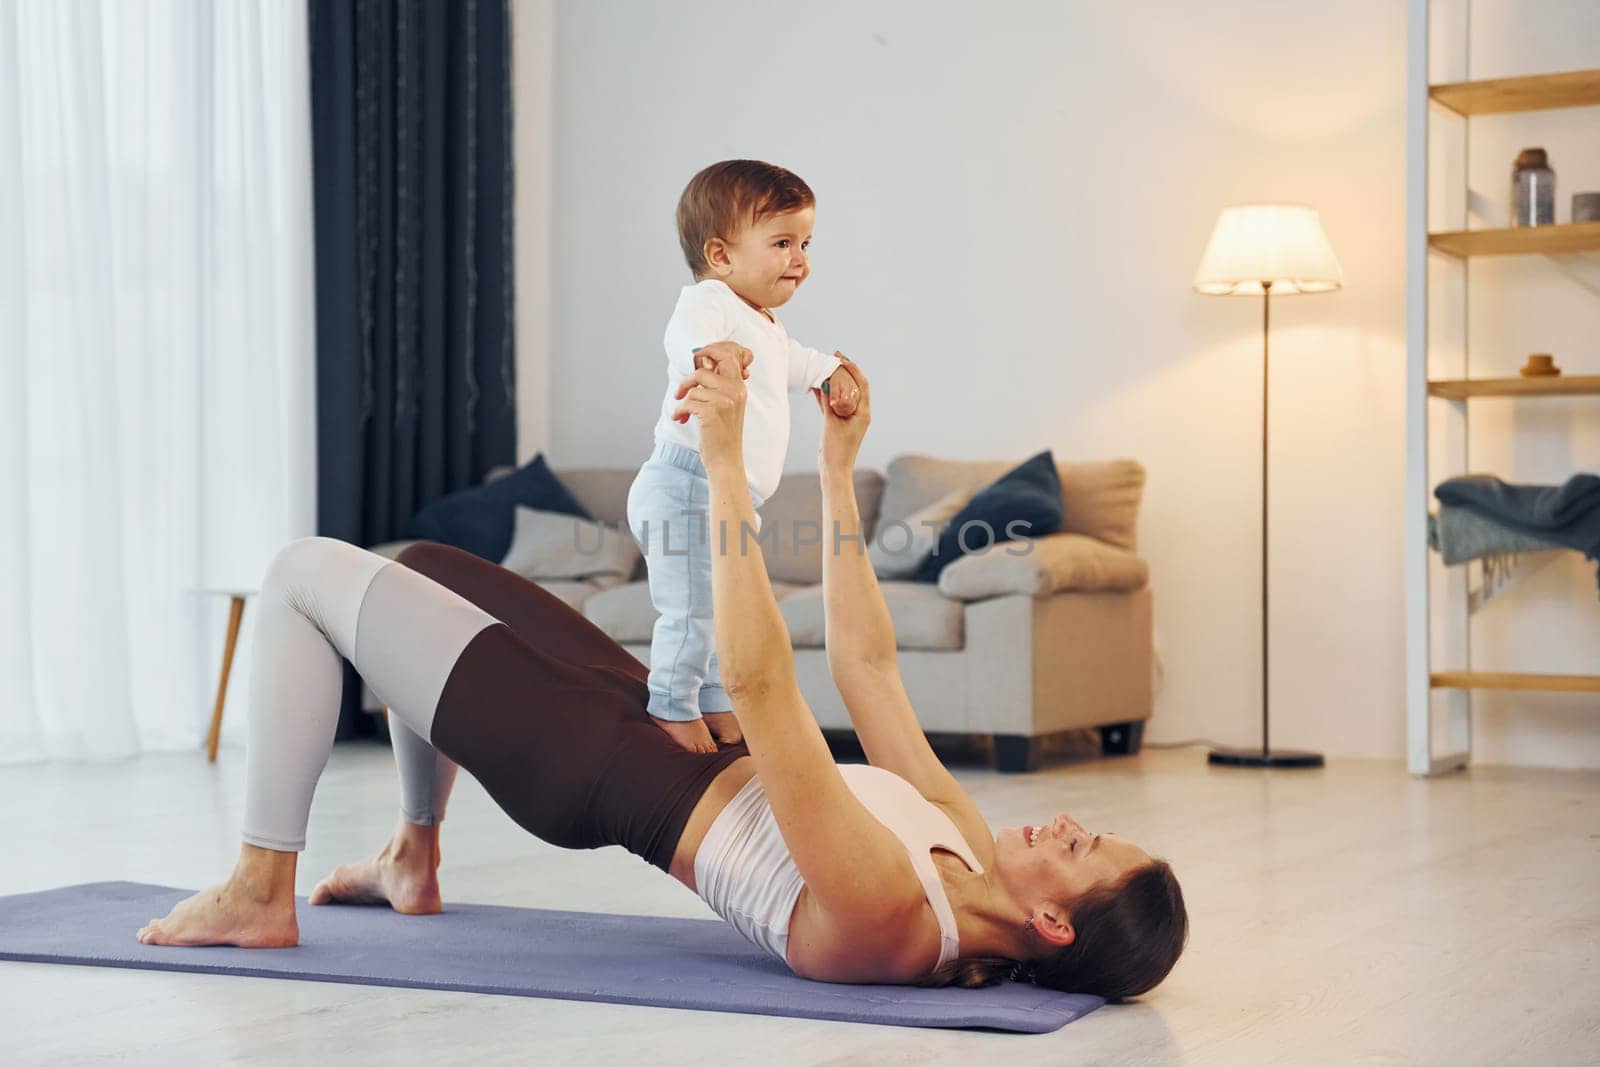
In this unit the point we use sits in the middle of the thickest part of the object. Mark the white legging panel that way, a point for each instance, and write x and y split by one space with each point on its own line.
324 601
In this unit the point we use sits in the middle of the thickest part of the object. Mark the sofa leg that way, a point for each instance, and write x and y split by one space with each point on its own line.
1015 753
1121 739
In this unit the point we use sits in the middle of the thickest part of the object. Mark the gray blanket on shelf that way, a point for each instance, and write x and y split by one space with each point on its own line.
1459 535
1567 514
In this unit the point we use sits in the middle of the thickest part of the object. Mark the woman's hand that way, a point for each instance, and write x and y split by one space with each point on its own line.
841 435
716 397
708 356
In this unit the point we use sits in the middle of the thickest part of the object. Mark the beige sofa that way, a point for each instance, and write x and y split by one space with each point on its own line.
1015 646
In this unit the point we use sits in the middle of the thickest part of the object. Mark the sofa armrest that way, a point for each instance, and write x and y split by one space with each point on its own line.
1056 563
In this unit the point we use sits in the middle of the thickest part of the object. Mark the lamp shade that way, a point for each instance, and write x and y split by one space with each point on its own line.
1278 243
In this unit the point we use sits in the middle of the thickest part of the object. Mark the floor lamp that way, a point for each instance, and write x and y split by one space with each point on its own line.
1262 250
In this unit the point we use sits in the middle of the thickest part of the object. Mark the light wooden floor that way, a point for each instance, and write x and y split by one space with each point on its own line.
1347 915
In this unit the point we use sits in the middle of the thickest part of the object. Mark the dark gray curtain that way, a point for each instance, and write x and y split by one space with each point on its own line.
411 159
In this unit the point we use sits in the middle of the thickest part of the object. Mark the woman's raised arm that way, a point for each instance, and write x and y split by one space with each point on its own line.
860 634
855 868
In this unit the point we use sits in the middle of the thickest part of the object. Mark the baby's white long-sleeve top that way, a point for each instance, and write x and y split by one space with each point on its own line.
709 311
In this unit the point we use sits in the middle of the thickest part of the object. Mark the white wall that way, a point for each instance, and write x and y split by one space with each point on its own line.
1012 199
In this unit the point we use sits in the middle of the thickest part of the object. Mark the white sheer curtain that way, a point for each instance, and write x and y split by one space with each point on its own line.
156 357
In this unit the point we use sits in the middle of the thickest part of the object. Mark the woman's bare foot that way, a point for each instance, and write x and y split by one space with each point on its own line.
405 875
692 734
254 908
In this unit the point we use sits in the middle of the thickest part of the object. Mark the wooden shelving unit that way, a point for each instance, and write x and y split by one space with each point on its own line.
1440 694
1559 385
1500 96
1545 683
1519 240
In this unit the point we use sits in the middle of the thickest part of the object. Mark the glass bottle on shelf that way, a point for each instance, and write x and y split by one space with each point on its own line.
1533 189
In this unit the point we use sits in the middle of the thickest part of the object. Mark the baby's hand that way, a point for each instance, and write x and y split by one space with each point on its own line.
841 391
707 356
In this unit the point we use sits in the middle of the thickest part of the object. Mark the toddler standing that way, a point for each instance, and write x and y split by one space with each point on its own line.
745 227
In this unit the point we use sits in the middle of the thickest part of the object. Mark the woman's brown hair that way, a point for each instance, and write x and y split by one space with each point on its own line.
1129 935
726 197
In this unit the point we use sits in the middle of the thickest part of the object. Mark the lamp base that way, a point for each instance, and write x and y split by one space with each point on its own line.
1255 757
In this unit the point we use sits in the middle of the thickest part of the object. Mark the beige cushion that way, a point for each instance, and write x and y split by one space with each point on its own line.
574 593
922 617
623 611
900 546
794 515
391 549
603 491
626 614
1053 564
549 544
1099 498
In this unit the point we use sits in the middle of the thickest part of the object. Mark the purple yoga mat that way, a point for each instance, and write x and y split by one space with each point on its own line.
526 952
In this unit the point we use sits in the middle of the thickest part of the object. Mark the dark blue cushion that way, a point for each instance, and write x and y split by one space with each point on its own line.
1028 494
480 520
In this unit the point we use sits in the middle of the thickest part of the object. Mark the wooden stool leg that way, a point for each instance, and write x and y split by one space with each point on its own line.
235 614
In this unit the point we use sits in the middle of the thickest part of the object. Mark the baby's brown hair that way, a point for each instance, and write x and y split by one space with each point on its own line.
726 197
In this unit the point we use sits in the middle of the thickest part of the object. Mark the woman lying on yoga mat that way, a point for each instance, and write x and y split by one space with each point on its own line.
882 873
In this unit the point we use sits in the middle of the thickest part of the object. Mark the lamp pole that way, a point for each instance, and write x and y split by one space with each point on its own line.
1266 333
1246 757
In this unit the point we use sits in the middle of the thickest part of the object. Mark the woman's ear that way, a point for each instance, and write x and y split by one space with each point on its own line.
1051 925
717 259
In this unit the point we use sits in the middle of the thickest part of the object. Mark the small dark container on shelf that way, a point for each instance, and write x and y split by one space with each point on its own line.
1586 207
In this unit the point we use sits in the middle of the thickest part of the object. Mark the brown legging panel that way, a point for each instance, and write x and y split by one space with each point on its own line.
548 713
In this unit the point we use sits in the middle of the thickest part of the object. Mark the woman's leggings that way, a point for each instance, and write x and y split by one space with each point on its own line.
479 668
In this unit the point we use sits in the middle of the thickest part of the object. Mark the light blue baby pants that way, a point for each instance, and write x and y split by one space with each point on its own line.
669 513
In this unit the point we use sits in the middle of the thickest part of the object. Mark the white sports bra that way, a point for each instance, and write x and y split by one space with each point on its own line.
745 871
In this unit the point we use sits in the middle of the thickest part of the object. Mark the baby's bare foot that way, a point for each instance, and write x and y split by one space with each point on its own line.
724 726
409 887
226 914
692 735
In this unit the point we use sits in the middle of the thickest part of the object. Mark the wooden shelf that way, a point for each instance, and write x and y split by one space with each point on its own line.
1558 385
1519 240
1454 109
1540 92
1546 683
